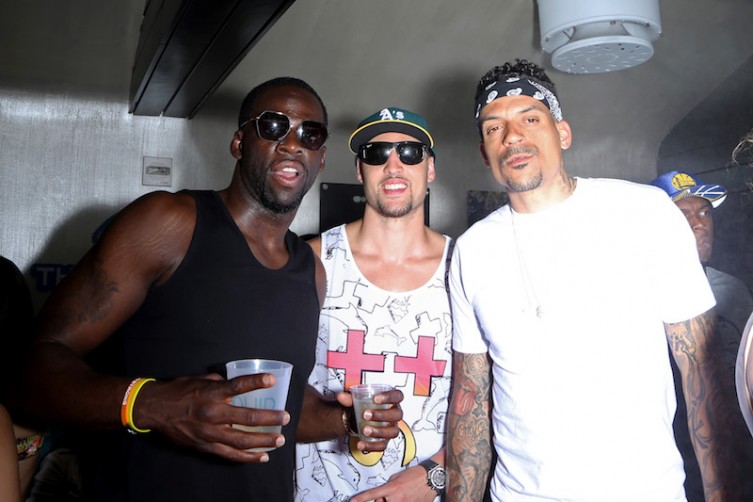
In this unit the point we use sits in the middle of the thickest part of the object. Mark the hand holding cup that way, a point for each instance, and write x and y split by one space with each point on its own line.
377 413
195 412
269 398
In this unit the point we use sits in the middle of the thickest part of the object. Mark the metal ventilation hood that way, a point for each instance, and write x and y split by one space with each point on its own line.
596 37
188 47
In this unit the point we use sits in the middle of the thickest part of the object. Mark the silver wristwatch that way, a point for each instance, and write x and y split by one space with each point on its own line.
435 475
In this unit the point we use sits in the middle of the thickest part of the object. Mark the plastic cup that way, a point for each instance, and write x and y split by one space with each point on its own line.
363 399
272 398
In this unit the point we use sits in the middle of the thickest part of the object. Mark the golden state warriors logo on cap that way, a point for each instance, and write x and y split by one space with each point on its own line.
683 181
678 185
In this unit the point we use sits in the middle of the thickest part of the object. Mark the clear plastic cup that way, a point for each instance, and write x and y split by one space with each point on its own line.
272 398
363 399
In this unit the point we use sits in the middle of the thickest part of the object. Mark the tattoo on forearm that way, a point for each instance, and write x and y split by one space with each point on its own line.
709 392
469 445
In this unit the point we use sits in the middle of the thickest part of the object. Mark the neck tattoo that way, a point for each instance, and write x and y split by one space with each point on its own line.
573 182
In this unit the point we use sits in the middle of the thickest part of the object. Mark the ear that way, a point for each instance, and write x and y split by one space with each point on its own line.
431 174
566 134
483 153
236 145
324 156
359 166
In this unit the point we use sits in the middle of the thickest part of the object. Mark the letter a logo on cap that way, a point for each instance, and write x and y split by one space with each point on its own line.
385 114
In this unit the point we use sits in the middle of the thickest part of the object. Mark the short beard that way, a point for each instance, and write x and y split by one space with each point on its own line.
531 183
278 208
394 213
526 186
267 199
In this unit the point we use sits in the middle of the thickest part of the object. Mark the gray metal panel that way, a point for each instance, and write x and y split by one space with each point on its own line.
187 48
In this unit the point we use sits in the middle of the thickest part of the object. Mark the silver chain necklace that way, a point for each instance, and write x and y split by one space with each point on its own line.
535 302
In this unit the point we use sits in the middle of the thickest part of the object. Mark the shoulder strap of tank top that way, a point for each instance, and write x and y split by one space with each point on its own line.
448 258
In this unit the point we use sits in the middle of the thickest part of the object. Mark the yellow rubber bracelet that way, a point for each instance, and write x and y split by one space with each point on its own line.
131 401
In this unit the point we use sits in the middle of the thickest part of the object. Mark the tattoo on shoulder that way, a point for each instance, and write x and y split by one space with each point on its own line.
685 336
94 300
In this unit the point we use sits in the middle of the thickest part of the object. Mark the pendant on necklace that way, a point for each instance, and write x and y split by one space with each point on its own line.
539 311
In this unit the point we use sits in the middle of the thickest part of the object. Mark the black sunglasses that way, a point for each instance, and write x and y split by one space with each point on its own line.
275 126
377 153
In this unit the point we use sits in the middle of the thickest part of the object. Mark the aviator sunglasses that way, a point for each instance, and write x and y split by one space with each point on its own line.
274 126
377 153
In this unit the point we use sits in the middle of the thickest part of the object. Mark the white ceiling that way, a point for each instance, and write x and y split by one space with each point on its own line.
427 55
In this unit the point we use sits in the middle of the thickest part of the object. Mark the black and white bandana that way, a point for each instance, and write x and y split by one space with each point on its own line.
515 86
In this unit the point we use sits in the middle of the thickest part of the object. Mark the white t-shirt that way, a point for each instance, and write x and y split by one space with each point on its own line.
370 335
583 396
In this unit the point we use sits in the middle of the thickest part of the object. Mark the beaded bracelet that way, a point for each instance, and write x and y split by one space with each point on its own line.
129 399
29 446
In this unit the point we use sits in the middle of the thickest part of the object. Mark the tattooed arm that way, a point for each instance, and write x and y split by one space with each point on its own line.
708 395
469 447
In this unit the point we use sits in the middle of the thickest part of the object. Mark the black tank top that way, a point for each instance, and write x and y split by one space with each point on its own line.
221 304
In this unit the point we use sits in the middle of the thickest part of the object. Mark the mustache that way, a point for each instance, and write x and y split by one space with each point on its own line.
401 178
517 150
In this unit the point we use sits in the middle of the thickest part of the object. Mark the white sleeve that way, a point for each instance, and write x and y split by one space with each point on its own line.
682 287
466 332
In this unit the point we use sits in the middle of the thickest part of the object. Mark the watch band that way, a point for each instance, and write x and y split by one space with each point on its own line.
435 475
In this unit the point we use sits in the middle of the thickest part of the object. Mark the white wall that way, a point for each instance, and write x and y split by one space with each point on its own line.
68 163
71 155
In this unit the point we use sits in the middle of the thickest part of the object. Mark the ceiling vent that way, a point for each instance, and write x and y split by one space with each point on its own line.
585 36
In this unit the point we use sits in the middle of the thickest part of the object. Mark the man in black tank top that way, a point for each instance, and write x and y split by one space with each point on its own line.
189 281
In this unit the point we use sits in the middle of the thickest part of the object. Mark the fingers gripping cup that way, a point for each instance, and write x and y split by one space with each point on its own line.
272 398
363 399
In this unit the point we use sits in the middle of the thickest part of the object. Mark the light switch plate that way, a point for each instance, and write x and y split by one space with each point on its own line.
158 171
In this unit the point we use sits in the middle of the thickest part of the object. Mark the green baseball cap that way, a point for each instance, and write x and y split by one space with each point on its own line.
390 120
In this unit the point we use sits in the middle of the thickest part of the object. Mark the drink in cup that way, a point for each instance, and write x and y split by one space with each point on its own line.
363 399
272 398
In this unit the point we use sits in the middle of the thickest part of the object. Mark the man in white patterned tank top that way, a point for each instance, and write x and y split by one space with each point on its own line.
386 319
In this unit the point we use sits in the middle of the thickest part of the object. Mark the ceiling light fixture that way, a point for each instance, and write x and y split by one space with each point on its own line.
586 36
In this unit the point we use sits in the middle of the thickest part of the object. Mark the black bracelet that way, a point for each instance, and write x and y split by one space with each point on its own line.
347 420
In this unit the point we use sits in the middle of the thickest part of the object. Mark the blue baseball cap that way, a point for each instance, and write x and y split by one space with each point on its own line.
680 185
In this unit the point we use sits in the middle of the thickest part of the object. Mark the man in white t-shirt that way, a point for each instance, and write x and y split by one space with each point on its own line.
563 302
386 319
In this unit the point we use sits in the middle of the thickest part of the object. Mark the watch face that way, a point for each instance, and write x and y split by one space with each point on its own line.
436 477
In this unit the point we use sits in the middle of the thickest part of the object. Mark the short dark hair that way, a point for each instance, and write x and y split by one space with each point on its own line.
250 100
521 68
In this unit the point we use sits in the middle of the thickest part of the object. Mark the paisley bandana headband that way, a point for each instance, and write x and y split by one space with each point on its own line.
515 86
